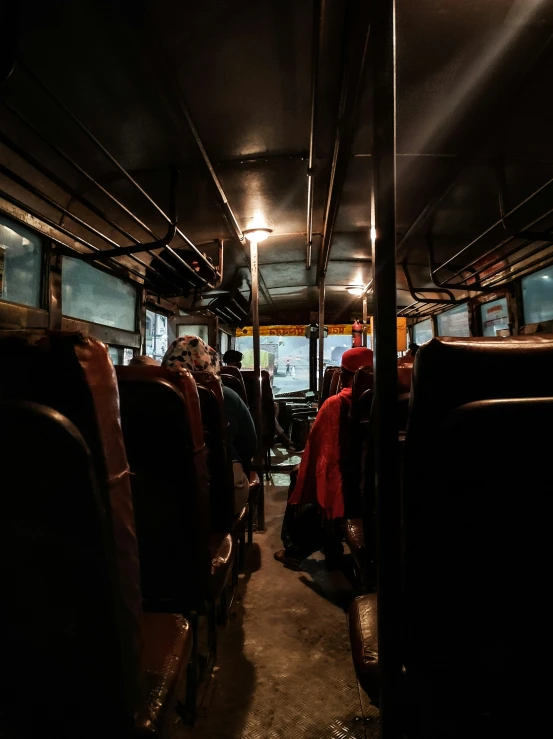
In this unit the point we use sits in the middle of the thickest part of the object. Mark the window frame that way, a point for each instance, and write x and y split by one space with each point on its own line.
432 323
520 295
137 302
466 305
44 276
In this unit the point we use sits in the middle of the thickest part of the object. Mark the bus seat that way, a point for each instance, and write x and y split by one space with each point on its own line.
219 463
404 377
335 382
363 630
235 384
235 372
476 520
166 637
363 380
355 539
162 427
327 381
69 535
267 405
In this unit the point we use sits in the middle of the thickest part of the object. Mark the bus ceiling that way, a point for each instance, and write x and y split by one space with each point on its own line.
266 110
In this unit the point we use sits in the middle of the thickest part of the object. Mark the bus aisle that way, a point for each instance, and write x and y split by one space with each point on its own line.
285 666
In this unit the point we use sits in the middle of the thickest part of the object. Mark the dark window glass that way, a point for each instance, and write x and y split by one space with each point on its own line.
454 322
537 296
20 264
93 295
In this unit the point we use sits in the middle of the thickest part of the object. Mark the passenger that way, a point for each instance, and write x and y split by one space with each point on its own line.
315 509
191 353
409 357
233 358
143 359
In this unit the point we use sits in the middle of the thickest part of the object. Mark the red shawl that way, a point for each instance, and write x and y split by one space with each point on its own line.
319 476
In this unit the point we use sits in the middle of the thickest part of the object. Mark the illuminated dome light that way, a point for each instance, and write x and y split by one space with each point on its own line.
257 234
355 290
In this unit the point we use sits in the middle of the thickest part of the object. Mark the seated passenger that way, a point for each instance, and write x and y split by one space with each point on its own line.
191 353
233 358
315 509
143 359
409 357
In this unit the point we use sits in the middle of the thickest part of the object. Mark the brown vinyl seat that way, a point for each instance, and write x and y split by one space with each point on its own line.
68 536
267 404
327 381
477 527
268 426
232 377
363 631
355 539
173 521
335 382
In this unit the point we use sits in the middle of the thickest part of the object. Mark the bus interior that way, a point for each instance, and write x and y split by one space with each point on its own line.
286 178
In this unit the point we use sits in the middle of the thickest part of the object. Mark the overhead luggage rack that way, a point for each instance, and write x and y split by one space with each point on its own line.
96 233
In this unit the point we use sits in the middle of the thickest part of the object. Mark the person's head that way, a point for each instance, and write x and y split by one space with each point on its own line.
191 353
233 358
413 348
354 359
142 360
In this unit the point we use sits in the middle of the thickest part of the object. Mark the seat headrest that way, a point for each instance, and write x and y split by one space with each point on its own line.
450 372
182 381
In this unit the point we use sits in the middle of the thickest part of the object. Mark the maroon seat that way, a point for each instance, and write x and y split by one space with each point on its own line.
363 630
173 521
335 383
327 381
268 424
68 536
477 521
232 377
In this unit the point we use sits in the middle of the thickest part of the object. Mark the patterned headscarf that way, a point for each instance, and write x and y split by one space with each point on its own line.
191 353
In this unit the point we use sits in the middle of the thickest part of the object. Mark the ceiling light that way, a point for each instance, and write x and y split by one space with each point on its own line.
355 290
257 234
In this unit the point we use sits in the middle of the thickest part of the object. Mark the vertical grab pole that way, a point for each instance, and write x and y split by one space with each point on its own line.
365 317
321 333
254 267
387 481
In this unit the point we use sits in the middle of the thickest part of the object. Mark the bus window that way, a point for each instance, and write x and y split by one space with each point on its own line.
495 317
537 296
120 354
156 335
92 295
189 329
423 331
454 322
20 264
224 342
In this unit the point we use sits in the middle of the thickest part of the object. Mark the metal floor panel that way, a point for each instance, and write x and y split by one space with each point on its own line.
284 667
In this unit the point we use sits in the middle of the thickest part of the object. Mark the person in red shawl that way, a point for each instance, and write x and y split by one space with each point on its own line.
315 508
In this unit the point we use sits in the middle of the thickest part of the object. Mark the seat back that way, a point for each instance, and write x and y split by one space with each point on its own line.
363 380
327 381
72 379
474 521
235 383
335 382
404 377
233 372
219 462
267 404
162 426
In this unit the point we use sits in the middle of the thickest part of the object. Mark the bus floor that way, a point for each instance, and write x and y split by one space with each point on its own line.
284 664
